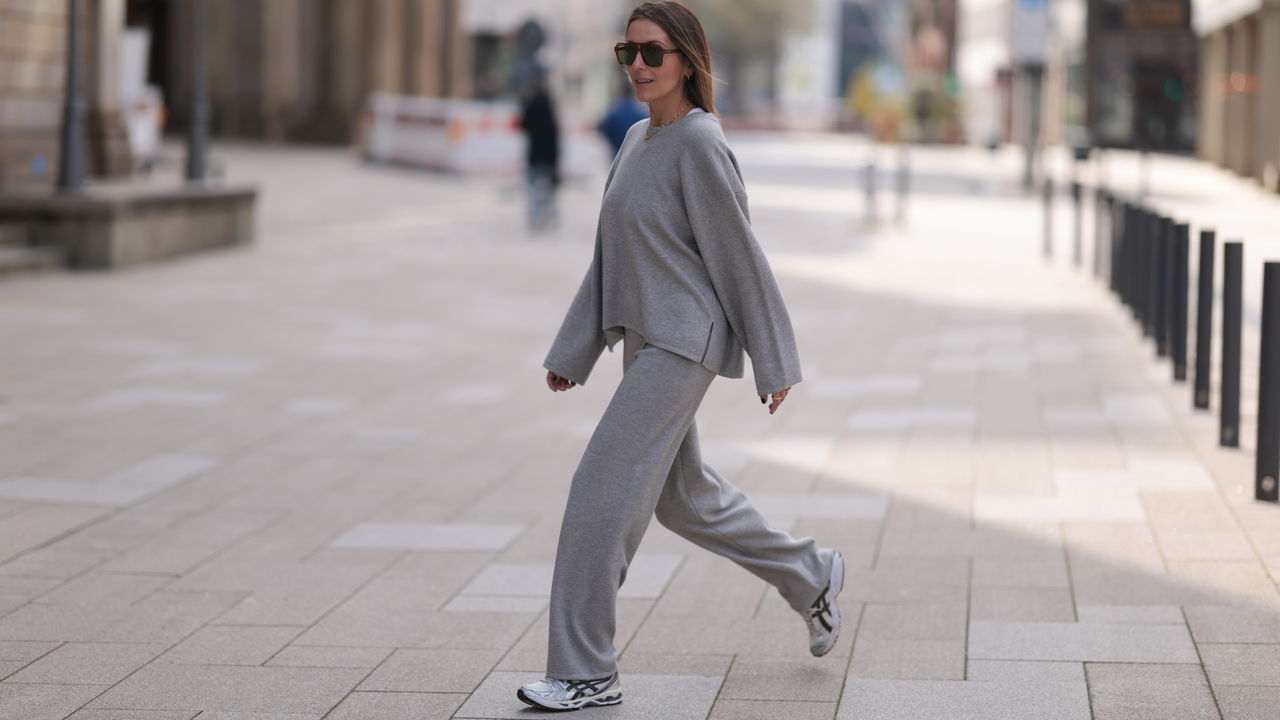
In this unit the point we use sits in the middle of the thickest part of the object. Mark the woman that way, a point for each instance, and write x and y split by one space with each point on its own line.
679 278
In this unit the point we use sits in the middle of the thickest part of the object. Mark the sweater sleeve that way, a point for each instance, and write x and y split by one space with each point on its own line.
740 274
581 338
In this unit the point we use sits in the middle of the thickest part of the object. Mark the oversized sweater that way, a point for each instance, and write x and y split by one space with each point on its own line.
676 261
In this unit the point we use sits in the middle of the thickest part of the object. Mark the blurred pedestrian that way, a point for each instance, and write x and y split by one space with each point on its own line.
623 113
539 124
679 278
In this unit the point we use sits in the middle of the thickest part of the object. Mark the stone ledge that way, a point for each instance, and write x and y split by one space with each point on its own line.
117 227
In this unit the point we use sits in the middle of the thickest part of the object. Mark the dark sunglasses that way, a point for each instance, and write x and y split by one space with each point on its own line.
651 53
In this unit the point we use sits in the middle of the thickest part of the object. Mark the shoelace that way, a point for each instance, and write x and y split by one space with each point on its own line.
584 687
821 608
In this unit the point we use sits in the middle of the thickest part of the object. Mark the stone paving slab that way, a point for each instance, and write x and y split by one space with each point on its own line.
322 477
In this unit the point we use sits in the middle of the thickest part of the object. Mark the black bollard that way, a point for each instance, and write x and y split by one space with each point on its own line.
1164 285
1267 469
1204 320
1099 217
1151 273
1232 299
1048 217
1178 308
1128 246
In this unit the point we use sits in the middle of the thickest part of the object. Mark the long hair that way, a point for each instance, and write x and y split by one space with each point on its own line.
685 30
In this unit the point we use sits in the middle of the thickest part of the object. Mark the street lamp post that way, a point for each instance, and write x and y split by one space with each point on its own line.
71 164
198 133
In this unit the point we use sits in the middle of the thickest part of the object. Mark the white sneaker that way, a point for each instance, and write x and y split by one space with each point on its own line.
823 616
558 695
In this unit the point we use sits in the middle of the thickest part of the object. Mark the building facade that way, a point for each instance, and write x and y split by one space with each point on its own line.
1239 111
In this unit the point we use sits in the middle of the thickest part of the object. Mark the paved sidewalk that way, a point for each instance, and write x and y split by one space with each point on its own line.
323 478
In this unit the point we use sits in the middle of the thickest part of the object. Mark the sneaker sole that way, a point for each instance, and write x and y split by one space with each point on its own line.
837 582
611 698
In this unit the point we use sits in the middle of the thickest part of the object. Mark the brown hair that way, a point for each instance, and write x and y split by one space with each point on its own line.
685 30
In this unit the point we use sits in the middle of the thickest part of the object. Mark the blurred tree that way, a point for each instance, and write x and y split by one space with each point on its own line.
749 34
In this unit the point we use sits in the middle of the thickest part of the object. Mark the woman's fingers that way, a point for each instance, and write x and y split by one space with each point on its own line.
777 399
557 383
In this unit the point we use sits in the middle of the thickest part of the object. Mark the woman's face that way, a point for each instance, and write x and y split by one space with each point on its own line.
658 84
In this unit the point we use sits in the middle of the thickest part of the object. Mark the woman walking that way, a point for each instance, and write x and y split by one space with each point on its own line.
679 278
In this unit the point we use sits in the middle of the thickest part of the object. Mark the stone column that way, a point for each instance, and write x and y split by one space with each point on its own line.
1240 115
1267 99
109 153
1214 79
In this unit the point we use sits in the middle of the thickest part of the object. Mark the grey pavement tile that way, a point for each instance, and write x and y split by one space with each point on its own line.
1018 671
1135 614
634 663
914 621
962 700
846 507
1248 703
520 580
1138 691
1089 642
647 697
258 716
420 628
25 652
41 701
166 686
495 604
88 664
87 714
38 524
1240 664
336 657
436 671
714 636
1020 573
772 710
119 488
647 576
756 678
231 645
1006 604
1233 624
899 659
397 706
429 536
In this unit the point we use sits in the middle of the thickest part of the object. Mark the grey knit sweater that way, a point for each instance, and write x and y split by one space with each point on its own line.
676 261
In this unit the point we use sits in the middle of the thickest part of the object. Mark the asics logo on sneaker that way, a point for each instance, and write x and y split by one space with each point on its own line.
821 609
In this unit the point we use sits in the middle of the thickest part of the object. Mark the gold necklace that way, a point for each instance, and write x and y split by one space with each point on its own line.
654 130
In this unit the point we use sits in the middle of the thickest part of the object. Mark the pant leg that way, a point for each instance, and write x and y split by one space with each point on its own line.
704 508
611 501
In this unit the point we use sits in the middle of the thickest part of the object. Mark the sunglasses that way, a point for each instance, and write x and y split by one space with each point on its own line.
651 53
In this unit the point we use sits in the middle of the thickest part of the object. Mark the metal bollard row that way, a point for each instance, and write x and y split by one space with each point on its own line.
1148 270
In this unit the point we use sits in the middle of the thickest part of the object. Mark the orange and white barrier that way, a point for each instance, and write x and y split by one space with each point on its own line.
469 137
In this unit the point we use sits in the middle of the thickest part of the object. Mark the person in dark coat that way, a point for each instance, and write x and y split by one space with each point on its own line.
539 124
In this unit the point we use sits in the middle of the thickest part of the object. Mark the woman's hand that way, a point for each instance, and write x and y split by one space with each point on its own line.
557 383
777 398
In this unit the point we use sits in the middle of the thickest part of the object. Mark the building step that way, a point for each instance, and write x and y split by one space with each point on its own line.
22 259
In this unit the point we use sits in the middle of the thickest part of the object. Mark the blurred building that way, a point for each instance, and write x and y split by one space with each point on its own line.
301 69
1239 109
1115 73
32 63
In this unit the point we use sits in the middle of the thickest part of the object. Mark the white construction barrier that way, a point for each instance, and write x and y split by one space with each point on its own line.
468 136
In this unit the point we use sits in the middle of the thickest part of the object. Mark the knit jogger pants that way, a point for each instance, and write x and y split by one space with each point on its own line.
644 459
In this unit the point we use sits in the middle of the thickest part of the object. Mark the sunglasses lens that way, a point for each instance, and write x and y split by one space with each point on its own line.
652 55
626 54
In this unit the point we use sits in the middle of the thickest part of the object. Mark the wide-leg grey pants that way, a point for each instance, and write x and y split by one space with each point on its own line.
644 458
